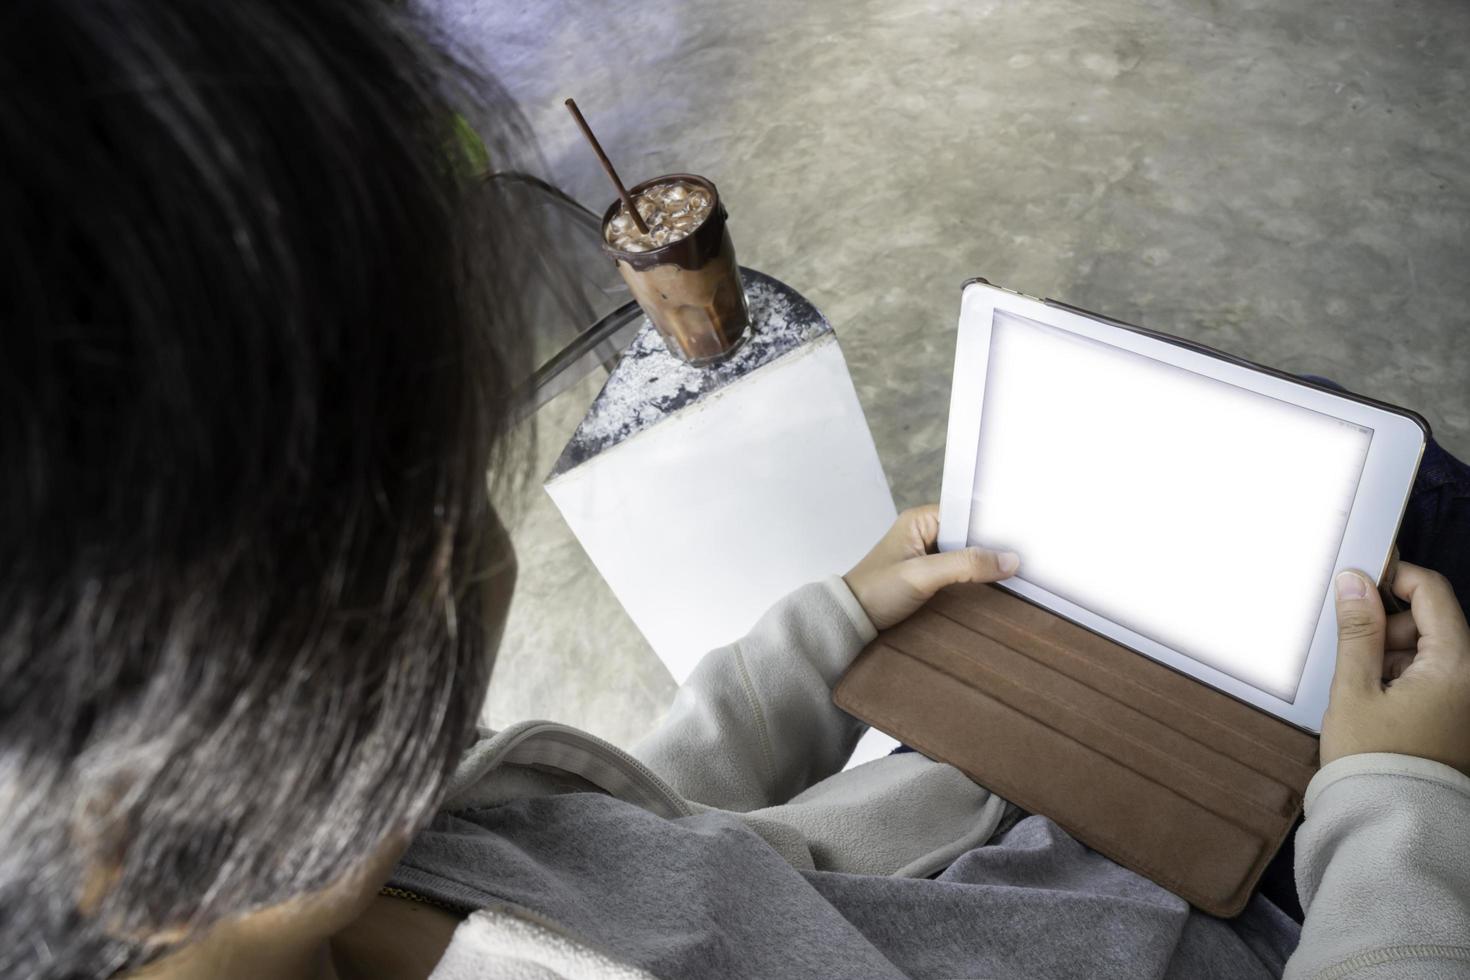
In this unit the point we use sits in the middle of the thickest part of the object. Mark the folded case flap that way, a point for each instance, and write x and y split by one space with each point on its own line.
1163 774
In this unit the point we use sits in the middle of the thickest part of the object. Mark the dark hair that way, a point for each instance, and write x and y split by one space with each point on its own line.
255 351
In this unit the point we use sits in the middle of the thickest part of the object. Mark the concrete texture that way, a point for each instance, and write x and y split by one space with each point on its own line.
1288 182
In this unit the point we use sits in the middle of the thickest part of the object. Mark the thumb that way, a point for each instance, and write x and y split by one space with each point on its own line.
1361 628
930 573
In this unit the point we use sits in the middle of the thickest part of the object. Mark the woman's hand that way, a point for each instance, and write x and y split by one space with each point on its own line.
902 572
1402 682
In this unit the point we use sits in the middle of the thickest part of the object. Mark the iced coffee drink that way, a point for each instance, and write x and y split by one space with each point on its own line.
682 271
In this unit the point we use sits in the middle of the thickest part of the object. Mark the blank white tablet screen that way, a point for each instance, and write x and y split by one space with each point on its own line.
1201 515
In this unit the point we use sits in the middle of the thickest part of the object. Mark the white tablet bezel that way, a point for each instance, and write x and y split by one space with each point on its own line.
1388 473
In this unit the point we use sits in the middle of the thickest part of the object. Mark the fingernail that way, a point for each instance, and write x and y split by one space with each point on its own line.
1351 585
1008 561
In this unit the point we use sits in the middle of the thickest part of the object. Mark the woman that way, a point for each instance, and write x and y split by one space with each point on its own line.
260 334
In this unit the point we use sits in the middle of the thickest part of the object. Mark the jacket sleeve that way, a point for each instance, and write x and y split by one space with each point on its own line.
755 724
1383 870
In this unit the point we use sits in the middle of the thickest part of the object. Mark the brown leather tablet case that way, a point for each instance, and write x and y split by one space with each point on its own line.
1154 769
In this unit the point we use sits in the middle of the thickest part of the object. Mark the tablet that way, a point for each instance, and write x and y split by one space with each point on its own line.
1186 503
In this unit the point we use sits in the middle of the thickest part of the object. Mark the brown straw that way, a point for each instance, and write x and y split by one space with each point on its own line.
607 165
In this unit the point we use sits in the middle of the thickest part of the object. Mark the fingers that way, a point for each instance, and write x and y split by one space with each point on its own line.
930 573
1401 643
1395 662
914 533
1402 633
1361 626
920 528
924 527
1436 613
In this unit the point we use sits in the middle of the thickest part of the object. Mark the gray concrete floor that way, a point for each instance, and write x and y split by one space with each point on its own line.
1288 182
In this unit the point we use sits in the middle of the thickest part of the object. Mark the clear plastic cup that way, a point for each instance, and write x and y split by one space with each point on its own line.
690 288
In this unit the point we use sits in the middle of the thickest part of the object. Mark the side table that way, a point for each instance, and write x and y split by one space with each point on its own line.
704 495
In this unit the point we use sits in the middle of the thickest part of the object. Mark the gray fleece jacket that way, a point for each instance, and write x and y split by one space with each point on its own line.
730 843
